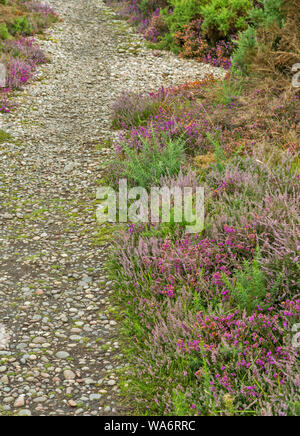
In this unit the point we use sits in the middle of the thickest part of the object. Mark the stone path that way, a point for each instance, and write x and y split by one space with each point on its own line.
63 353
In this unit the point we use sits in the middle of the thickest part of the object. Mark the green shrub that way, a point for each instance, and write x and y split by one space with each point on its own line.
20 26
3 32
183 13
249 289
146 167
225 17
245 51
270 13
3 2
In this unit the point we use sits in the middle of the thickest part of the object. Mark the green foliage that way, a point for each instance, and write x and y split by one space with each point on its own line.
3 32
143 6
245 51
146 6
223 17
21 26
183 13
249 288
270 12
230 90
146 167
166 43
180 403
172 230
219 152
3 2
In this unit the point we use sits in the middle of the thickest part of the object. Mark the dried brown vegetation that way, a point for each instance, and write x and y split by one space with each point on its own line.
279 50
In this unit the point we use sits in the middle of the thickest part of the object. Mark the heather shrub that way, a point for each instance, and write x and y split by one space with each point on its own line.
220 55
248 192
40 8
170 112
246 359
176 111
191 40
157 28
19 72
26 48
169 123
5 104
194 44
212 356
21 55
190 262
130 109
174 18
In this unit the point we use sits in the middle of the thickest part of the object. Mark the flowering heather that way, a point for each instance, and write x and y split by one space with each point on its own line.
19 72
36 6
156 28
180 289
251 193
220 56
149 17
194 44
131 109
25 56
248 357
168 112
5 104
26 48
245 356
212 315
22 55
